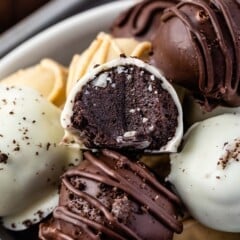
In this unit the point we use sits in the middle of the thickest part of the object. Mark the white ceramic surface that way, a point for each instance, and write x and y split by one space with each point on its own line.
64 39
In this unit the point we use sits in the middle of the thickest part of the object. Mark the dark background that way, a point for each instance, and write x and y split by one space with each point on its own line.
51 12
12 11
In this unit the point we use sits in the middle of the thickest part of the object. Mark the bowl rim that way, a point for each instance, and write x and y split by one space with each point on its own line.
58 29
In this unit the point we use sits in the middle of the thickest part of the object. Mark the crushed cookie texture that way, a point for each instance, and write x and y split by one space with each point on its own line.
231 153
135 118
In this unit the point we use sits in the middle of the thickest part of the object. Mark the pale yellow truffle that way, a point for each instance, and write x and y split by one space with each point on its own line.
103 49
48 78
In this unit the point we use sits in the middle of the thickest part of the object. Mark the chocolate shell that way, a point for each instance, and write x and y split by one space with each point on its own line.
124 104
142 20
197 47
109 197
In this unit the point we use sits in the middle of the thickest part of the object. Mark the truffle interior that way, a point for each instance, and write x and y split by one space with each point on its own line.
125 107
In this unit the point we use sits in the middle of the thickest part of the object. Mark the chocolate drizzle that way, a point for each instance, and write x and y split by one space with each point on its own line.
117 172
141 20
213 28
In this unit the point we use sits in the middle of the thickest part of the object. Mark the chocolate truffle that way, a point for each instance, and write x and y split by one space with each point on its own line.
197 47
109 197
124 104
141 20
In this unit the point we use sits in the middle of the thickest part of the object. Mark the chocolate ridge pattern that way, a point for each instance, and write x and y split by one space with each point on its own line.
141 20
214 34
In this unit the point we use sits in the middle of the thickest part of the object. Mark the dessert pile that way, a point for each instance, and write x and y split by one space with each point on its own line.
139 138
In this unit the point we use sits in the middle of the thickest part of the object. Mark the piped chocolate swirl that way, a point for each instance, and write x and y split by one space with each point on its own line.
142 20
124 104
110 197
197 46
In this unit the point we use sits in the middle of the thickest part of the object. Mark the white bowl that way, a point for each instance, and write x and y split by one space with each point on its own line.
61 41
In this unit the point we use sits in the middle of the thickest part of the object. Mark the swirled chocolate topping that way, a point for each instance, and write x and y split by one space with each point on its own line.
198 47
110 197
141 20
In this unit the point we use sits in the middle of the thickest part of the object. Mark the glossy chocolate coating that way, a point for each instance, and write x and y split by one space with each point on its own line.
142 20
110 197
197 47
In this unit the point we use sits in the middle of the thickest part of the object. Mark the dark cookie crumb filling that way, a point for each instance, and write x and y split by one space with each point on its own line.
125 107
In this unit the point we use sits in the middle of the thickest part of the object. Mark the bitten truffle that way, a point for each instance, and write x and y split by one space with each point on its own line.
124 104
109 197
197 47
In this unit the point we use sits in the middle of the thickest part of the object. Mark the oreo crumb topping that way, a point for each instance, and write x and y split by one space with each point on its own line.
232 153
3 158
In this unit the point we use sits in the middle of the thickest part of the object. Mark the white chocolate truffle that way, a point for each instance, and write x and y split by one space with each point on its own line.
206 175
130 97
31 160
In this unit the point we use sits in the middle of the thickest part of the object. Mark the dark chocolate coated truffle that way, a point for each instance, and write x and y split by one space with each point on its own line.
142 20
124 104
109 197
198 47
